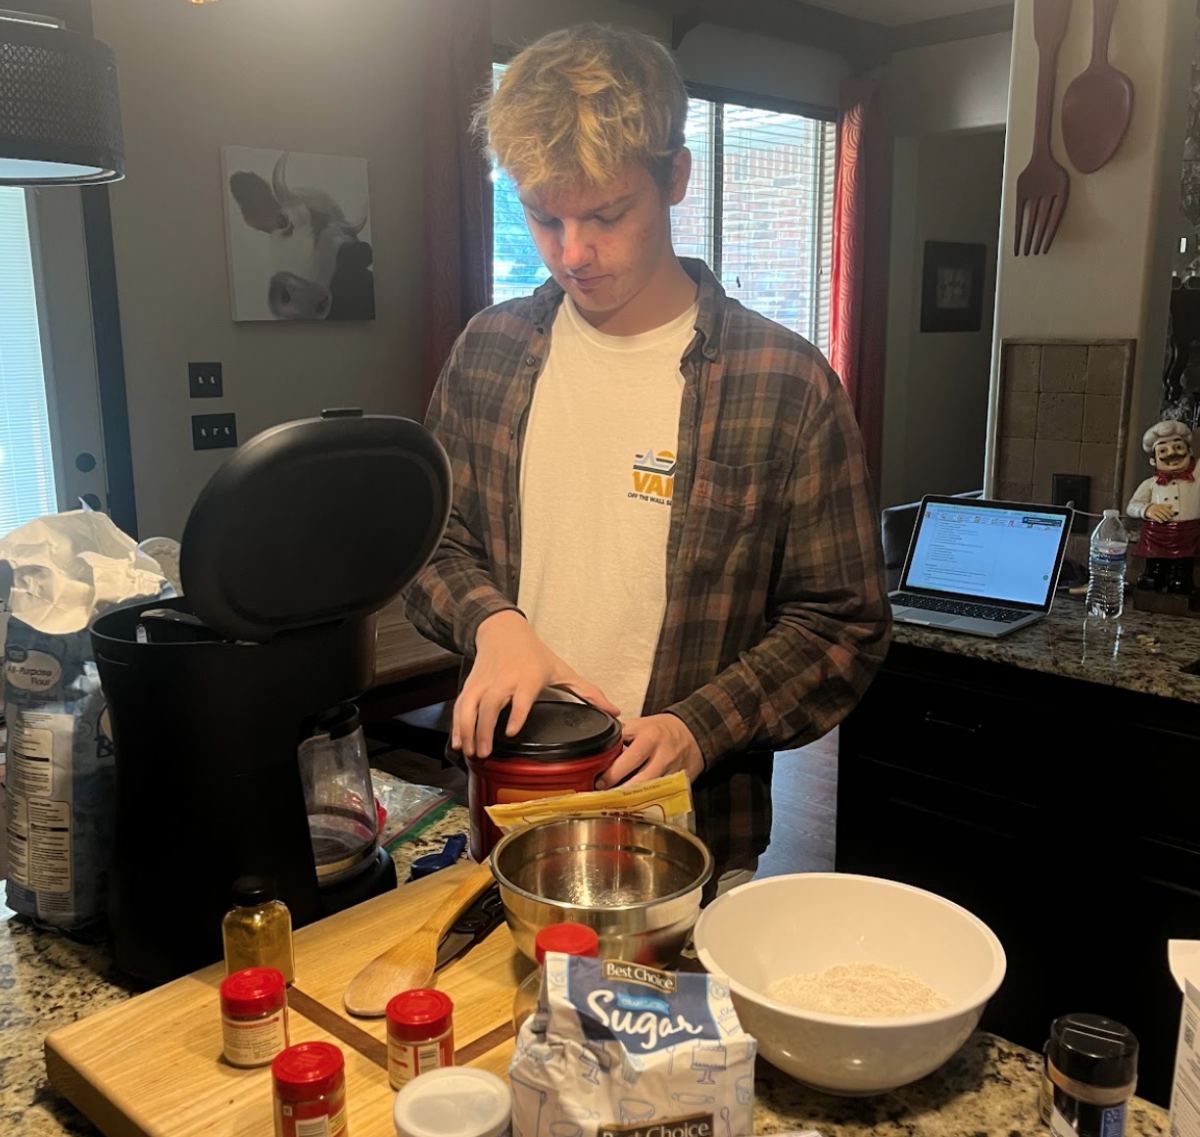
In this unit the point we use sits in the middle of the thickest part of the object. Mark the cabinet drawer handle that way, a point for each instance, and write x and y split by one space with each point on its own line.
932 720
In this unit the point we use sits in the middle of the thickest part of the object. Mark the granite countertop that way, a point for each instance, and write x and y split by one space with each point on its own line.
1140 652
990 1089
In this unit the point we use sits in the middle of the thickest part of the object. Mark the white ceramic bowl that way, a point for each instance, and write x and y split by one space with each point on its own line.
791 925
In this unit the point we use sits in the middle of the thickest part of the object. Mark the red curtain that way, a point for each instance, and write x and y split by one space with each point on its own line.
861 223
457 263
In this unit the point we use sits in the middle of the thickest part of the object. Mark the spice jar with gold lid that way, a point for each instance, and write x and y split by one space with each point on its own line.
257 930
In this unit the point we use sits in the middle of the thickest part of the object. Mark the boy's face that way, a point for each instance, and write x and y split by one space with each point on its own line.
604 244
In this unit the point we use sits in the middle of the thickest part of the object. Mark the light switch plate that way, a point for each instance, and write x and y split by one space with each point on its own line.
214 432
205 381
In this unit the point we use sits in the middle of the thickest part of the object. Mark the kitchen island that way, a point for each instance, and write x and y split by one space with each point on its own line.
1047 782
990 1089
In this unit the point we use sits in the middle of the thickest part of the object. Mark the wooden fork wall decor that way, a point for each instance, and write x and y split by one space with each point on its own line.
1045 187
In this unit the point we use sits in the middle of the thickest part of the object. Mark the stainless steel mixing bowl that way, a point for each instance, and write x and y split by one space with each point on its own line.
636 882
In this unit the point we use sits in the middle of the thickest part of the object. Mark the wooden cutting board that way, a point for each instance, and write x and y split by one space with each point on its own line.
152 1067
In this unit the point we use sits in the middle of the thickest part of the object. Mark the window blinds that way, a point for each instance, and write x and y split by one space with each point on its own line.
26 464
768 205
759 211
692 220
516 266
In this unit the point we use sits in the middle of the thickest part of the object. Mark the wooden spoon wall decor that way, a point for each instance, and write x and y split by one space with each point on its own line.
1098 105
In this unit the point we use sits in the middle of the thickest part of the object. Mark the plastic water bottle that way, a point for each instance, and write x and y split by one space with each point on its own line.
1109 552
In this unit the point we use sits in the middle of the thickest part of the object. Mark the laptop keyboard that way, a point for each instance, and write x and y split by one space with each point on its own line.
959 608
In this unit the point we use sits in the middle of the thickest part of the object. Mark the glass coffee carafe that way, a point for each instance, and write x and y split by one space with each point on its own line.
336 776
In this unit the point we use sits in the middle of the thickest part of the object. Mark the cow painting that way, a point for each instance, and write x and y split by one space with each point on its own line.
298 236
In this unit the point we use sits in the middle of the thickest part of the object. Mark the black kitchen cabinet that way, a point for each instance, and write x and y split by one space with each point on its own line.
1065 814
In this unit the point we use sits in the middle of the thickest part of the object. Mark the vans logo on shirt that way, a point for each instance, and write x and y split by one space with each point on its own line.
654 477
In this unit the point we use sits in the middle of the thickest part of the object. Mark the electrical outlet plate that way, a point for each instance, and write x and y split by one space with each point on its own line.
205 381
1073 489
214 432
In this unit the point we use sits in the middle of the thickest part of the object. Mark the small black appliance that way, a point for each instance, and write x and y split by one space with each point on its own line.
307 530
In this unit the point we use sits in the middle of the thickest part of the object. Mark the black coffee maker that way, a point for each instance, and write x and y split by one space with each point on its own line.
307 531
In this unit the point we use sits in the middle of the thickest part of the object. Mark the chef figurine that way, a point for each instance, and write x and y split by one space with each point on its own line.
1169 504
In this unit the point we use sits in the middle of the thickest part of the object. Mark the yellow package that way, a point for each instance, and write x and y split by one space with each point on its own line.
666 799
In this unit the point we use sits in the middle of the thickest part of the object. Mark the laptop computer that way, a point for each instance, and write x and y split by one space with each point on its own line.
985 568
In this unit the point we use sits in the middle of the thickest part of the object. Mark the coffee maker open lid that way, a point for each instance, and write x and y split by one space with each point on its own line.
314 521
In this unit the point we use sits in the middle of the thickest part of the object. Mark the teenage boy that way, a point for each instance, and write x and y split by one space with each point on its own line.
660 499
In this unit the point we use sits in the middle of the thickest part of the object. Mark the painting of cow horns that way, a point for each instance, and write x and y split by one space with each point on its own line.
298 230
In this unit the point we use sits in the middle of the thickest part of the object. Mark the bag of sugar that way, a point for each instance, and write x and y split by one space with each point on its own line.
617 1049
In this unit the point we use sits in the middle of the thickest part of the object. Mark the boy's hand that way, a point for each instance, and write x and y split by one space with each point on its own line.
511 665
655 746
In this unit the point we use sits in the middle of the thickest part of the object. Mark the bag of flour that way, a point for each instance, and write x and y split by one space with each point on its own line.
56 574
616 1049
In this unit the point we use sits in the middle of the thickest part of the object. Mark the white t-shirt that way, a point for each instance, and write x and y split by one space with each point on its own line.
597 475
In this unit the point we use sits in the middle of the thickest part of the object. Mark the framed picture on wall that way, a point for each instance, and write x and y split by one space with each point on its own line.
952 289
298 233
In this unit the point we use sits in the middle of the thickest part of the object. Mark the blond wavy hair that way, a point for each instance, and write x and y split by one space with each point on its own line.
582 104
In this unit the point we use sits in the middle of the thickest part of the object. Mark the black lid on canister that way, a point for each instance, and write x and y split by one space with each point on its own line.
1094 1050
557 731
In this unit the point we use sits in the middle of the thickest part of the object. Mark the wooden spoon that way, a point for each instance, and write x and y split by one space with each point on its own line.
412 962
1098 105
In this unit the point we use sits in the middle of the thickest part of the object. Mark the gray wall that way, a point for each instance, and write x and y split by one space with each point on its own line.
1108 275
936 397
961 85
272 73
518 22
947 186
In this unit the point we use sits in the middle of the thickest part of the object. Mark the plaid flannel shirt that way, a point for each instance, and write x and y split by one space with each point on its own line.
776 615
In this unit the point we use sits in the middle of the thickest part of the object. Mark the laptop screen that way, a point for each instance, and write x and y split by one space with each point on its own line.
992 550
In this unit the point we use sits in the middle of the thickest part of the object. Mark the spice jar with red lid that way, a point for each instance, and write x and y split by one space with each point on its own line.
254 1026
562 748
565 939
309 1082
420 1030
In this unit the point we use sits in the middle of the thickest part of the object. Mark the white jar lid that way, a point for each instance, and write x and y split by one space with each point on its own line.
455 1101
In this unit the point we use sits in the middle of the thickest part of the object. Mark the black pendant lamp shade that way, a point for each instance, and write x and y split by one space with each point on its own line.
60 119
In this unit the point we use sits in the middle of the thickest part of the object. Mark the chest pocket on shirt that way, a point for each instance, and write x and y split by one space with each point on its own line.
733 517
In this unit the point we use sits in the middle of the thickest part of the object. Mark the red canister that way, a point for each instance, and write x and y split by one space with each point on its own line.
562 748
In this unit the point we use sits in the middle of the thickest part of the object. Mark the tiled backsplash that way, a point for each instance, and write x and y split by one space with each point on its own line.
1064 409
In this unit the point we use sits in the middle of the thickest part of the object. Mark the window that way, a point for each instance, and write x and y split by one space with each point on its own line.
27 488
759 210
